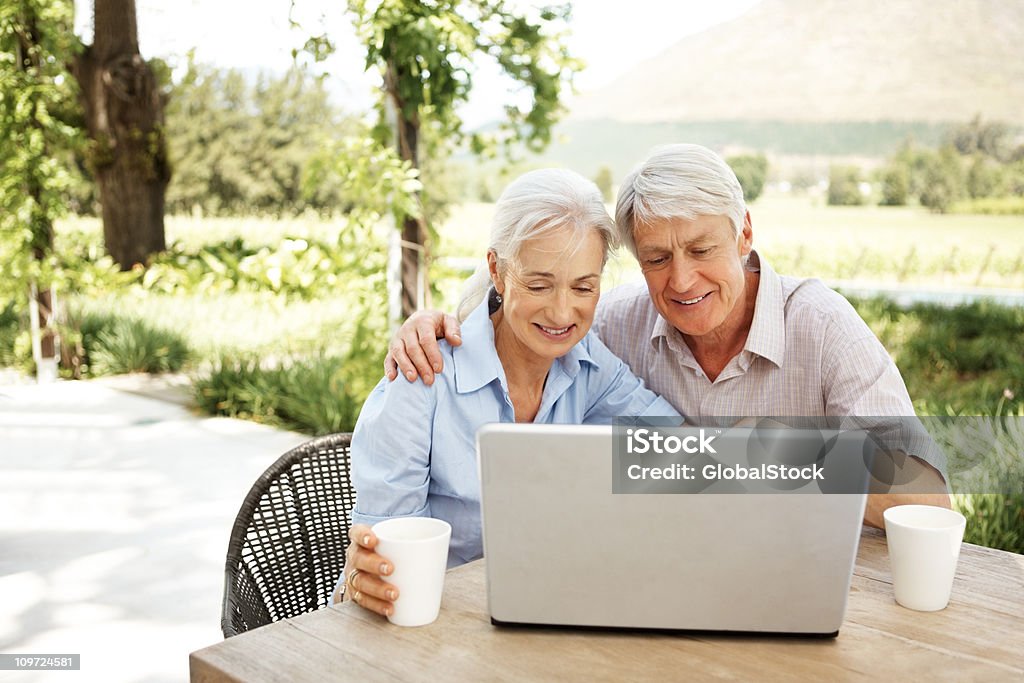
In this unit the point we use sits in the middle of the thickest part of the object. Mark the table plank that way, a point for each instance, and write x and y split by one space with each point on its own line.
281 653
980 636
961 628
985 577
463 645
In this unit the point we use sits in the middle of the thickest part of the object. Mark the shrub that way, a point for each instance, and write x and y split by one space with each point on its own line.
984 178
943 181
895 186
311 395
96 344
987 473
13 329
996 206
844 186
953 357
993 520
605 183
752 171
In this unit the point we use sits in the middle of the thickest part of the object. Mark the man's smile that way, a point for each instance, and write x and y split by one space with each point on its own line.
691 302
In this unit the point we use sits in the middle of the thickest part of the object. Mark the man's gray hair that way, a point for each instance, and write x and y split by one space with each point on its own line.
678 181
535 204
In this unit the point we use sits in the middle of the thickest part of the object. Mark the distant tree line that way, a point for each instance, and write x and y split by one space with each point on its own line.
979 161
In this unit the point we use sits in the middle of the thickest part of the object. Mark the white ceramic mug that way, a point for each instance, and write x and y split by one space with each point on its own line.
924 544
417 548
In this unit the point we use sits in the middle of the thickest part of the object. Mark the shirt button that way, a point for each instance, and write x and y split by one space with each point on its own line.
698 373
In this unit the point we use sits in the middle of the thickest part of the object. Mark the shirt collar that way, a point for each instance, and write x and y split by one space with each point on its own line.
476 360
767 336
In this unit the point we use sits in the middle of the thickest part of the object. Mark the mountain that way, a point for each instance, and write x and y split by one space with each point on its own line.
833 60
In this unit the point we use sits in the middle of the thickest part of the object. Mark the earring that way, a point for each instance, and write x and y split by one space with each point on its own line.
493 301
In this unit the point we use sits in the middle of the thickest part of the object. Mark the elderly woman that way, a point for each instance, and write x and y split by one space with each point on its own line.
527 356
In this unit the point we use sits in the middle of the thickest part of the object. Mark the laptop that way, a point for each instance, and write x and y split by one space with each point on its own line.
562 549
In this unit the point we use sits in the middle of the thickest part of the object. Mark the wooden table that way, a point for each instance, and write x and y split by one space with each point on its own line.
979 637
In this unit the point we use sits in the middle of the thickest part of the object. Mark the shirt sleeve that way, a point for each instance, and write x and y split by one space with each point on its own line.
614 391
862 385
391 452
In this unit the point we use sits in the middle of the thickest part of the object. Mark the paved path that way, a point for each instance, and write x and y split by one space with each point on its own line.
115 511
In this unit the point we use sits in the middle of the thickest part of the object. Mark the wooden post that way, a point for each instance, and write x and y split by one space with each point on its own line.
948 268
907 263
985 264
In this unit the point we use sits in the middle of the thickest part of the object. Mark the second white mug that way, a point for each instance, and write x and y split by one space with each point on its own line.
924 545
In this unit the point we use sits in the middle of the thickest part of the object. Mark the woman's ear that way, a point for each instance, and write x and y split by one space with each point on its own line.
492 267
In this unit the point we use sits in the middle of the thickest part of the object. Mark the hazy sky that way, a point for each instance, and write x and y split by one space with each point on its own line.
610 36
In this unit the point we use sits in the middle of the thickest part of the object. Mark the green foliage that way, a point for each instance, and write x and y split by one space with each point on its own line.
14 351
96 343
978 164
312 395
992 206
844 186
372 178
895 185
984 177
752 172
295 267
303 268
990 139
426 52
242 148
985 456
36 43
1013 178
318 393
112 344
964 359
605 183
993 520
803 180
943 181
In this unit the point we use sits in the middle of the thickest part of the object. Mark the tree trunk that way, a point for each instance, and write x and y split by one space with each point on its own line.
124 119
413 231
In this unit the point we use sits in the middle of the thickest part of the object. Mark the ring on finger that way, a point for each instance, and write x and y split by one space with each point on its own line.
352 581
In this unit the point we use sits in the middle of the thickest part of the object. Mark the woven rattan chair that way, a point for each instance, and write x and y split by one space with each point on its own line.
288 543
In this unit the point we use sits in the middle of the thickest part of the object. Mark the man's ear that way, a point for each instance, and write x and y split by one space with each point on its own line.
746 236
492 267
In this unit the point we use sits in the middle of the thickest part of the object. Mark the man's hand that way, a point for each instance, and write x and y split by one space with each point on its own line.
921 484
363 571
414 349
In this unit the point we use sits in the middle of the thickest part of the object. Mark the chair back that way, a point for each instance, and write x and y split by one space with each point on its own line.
287 547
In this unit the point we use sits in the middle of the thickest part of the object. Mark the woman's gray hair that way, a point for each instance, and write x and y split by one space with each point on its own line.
533 205
678 181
